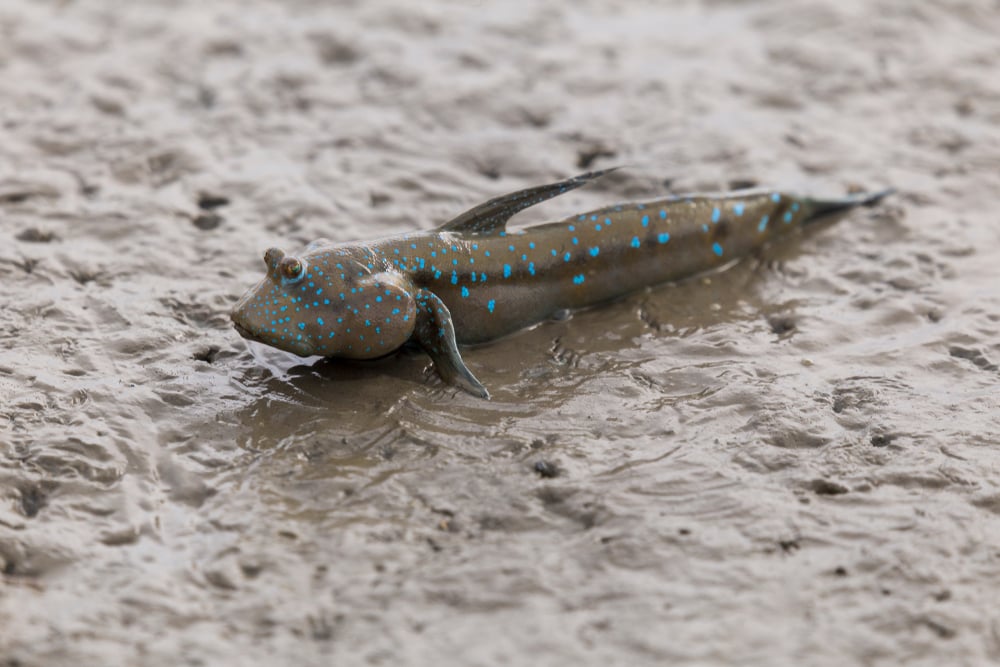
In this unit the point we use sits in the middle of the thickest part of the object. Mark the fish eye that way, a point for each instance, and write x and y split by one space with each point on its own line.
272 257
291 269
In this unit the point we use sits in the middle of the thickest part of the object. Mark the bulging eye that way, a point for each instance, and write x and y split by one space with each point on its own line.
272 257
292 269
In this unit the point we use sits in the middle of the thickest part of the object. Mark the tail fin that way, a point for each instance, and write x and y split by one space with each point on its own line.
822 209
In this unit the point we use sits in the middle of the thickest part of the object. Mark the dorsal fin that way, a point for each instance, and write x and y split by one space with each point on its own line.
492 216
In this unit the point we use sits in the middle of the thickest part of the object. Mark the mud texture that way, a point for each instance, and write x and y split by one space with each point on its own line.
796 461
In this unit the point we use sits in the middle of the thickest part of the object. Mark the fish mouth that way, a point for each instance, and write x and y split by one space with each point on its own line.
284 347
243 331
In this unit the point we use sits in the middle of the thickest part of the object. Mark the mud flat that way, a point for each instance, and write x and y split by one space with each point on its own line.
793 462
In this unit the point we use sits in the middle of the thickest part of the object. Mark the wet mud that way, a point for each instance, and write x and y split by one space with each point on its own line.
790 462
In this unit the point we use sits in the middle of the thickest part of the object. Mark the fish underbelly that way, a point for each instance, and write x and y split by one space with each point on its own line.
483 311
491 311
628 271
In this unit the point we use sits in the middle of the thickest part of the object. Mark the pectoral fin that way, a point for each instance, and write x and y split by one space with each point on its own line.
436 335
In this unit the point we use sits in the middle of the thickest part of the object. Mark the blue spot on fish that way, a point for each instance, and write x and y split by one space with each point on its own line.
738 208
491 304
578 279
788 217
717 249
595 251
506 270
645 221
465 291
763 224
663 238
716 214
635 242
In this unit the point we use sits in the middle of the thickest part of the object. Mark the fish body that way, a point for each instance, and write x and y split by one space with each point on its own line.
472 281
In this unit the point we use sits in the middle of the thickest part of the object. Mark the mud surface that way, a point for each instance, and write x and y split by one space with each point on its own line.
793 462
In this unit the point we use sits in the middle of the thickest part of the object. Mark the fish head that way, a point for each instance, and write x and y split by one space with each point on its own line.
327 302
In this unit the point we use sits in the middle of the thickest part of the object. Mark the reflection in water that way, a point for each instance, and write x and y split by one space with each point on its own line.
332 408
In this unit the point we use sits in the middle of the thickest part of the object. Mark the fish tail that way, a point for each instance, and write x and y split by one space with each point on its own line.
823 209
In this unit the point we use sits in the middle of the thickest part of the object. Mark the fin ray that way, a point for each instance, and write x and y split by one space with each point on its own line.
435 333
492 216
821 209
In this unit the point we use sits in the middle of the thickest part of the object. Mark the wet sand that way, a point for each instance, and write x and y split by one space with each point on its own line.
791 462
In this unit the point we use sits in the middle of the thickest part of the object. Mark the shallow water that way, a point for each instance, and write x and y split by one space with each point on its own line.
791 462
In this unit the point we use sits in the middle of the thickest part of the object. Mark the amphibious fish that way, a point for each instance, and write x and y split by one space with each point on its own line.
471 281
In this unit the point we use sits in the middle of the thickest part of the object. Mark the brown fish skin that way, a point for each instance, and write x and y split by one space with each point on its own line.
471 281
